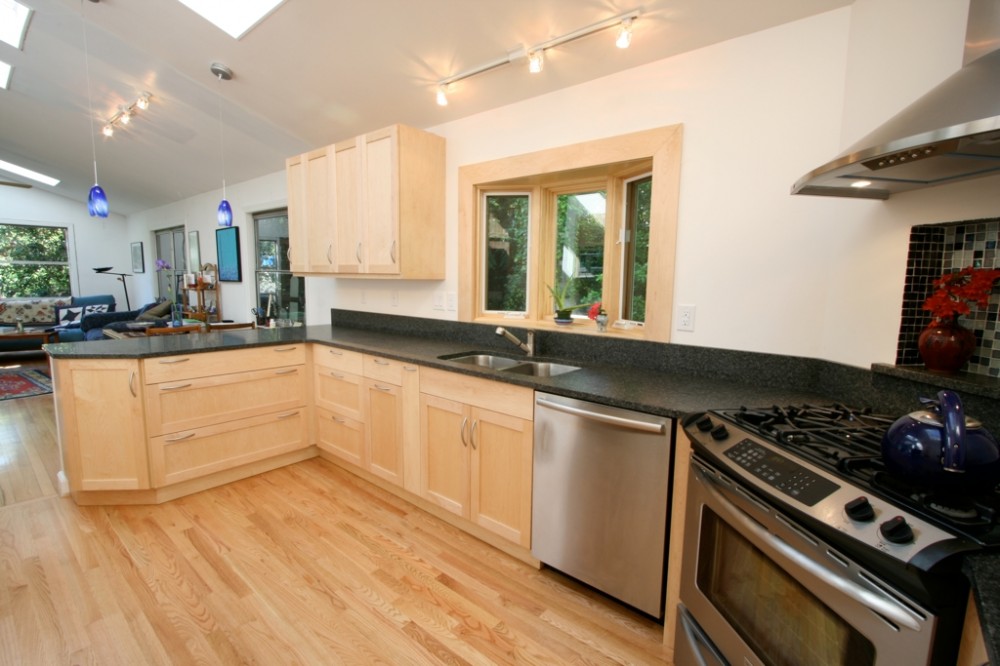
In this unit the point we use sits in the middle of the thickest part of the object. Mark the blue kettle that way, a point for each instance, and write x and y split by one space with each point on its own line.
939 446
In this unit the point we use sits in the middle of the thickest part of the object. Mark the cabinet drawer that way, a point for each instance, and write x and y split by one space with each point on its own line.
187 455
188 366
497 396
338 359
192 403
338 391
384 369
342 436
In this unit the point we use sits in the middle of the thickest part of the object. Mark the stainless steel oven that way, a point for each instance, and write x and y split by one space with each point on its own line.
793 558
756 589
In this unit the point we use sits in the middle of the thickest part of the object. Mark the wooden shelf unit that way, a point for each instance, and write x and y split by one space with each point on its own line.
199 310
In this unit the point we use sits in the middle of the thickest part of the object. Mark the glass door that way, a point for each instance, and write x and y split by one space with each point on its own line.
170 249
280 295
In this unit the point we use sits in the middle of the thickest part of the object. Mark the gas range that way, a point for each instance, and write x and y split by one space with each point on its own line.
823 465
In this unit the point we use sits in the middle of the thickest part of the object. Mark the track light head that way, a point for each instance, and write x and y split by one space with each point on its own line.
536 61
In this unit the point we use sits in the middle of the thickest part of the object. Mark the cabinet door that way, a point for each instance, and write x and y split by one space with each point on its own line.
338 392
349 258
501 474
384 423
343 437
319 211
444 454
298 232
380 202
101 424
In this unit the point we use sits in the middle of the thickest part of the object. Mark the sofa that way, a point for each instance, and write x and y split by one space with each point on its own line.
63 314
93 325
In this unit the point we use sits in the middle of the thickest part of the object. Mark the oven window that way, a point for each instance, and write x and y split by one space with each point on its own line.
775 615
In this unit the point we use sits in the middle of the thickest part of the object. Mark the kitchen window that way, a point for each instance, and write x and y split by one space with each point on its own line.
34 261
280 295
600 217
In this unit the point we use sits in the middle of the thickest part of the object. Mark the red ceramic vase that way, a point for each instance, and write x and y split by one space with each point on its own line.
946 346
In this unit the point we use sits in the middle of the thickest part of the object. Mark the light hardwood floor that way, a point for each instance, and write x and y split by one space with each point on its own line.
303 565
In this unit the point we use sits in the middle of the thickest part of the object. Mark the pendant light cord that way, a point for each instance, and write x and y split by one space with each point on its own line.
90 101
222 143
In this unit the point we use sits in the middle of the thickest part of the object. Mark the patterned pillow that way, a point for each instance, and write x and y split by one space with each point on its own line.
73 315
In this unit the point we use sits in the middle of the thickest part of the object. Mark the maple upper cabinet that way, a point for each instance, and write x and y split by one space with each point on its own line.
384 206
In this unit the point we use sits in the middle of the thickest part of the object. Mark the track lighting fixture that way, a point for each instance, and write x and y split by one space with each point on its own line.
125 114
535 55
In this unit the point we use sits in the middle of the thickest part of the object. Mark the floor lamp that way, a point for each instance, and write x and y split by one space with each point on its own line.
121 277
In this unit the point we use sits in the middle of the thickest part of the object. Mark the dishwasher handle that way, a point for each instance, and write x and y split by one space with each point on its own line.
610 419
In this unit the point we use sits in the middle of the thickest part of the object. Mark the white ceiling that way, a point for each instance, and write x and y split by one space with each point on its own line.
314 72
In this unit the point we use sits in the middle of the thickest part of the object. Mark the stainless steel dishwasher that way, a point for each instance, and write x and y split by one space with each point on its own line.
599 498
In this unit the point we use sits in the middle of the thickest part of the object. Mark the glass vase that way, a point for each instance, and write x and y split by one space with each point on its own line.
176 315
602 323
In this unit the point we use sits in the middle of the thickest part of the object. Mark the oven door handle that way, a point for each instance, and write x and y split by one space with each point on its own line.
878 604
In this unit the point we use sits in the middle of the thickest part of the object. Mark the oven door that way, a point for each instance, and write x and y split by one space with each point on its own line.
756 589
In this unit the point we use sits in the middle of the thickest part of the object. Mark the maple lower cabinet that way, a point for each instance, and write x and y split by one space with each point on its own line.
203 418
339 407
476 451
101 424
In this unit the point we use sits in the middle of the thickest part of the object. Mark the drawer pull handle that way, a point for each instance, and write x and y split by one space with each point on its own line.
284 349
338 420
171 361
131 384
410 368
175 387
288 415
379 361
181 438
382 388
289 371
335 352
335 375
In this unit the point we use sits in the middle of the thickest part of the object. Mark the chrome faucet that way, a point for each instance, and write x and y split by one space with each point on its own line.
528 347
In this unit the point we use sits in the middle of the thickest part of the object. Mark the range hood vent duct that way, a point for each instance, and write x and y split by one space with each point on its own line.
950 134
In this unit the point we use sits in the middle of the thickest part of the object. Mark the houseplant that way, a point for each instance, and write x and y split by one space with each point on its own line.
563 312
945 345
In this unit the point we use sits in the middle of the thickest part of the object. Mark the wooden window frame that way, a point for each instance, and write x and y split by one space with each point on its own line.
616 159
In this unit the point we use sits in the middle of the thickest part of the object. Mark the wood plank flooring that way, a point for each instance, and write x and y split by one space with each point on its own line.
303 565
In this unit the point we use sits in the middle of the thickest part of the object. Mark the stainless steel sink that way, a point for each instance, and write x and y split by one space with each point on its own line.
484 360
520 366
541 368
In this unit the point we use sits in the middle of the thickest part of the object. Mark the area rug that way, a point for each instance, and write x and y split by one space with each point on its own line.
23 383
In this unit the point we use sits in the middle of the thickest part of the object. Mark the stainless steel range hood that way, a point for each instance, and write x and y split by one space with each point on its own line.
950 134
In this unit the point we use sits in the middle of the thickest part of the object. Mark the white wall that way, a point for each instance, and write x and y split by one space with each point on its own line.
88 237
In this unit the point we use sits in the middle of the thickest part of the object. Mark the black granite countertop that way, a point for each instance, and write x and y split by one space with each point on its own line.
662 379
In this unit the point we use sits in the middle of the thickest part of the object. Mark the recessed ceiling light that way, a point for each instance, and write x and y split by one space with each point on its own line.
4 75
861 183
13 22
28 173
234 18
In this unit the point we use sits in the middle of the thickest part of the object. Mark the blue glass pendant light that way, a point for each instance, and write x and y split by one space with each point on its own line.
97 201
225 212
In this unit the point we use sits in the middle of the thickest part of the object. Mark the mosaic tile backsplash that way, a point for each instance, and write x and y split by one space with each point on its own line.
935 249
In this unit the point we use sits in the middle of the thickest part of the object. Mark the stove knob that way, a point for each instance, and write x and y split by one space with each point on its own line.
896 530
860 509
704 424
719 432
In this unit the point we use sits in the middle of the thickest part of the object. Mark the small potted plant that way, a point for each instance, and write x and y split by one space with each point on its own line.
945 345
598 314
563 312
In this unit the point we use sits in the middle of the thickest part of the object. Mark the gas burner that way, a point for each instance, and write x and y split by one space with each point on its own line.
960 510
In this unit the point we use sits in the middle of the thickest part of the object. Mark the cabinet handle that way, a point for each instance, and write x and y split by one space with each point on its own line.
392 252
329 248
284 349
289 371
171 361
335 352
472 433
181 438
288 255
379 361
337 420
131 384
335 375
381 388
357 252
288 415
461 430
175 387
410 368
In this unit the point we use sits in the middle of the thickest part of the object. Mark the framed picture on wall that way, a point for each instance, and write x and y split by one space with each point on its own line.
227 246
138 261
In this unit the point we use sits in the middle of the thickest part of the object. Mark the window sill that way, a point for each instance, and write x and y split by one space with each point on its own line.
578 327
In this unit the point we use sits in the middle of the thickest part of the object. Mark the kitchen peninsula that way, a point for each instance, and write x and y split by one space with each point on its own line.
673 381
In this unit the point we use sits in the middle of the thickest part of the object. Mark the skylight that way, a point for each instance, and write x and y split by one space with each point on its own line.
28 173
13 22
4 75
234 18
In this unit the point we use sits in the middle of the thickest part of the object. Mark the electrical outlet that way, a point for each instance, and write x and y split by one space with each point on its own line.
685 317
438 300
452 301
394 298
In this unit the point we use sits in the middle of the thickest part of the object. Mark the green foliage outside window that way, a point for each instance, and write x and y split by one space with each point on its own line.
579 248
34 261
507 252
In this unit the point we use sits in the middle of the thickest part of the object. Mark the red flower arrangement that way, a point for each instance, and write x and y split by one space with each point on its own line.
955 291
596 309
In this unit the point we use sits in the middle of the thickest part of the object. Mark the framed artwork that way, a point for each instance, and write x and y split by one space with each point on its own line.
194 252
227 247
138 262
